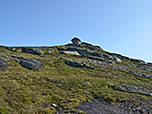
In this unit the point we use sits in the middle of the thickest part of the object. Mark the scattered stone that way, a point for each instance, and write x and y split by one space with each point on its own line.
96 58
110 62
116 67
36 51
124 58
73 64
150 64
62 58
5 58
139 74
146 75
137 61
16 50
145 67
134 89
54 105
76 64
38 77
96 106
13 49
96 63
119 56
70 52
19 50
50 51
118 60
3 65
61 49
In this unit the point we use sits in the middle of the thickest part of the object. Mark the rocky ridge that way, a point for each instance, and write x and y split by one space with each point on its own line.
104 79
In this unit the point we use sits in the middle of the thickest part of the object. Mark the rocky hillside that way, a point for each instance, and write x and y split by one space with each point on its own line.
73 79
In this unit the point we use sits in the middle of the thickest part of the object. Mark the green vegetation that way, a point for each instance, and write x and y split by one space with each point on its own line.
26 91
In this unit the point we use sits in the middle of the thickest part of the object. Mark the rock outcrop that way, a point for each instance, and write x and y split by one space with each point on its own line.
58 79
77 64
31 64
88 53
33 51
90 46
70 52
124 58
134 89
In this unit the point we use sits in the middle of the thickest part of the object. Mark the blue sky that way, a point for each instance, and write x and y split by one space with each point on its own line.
122 26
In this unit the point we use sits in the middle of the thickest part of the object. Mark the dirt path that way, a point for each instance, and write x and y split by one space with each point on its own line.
102 107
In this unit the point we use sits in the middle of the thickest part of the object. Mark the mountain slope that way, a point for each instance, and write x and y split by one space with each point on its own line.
63 79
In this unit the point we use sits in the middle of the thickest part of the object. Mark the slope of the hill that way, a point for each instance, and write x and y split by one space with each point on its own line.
69 79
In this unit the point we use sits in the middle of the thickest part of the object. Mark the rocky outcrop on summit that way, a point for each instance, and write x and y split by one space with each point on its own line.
88 53
90 46
84 45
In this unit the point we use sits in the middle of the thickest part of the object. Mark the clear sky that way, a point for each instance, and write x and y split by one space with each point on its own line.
122 26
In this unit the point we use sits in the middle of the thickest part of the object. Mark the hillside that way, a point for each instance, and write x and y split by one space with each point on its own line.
73 79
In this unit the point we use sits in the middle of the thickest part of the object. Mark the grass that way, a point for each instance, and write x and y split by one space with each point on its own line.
26 91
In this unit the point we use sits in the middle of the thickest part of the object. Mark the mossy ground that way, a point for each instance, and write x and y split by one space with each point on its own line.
33 92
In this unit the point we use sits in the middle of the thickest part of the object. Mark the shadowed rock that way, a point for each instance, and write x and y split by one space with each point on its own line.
33 51
31 64
61 49
73 64
76 64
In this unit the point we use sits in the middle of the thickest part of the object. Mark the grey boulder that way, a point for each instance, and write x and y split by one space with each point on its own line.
3 65
71 53
61 49
29 63
33 51
73 63
134 89
77 64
